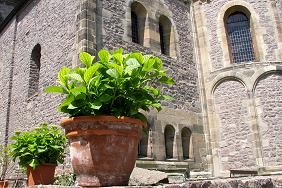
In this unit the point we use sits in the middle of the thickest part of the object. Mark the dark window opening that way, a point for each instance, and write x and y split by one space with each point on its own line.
162 39
134 27
34 70
169 141
186 142
240 38
165 35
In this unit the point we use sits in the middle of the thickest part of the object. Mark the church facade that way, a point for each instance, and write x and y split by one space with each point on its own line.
225 56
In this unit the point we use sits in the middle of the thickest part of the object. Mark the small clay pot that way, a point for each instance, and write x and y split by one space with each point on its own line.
3 184
103 149
43 174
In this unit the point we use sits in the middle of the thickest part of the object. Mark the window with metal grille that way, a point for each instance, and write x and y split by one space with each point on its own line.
134 27
240 38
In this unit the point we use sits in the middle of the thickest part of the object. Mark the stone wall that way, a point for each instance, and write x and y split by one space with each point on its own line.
269 103
235 135
212 11
238 127
52 25
6 59
182 68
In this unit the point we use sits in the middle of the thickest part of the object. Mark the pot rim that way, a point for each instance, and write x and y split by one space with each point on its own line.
105 118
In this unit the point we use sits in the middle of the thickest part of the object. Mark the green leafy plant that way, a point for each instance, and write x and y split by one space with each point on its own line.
6 163
117 84
42 145
67 179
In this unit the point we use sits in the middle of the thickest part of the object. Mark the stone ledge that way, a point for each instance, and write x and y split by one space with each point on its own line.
244 182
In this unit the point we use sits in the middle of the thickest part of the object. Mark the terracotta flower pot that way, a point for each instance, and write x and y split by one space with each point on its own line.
3 184
103 149
43 174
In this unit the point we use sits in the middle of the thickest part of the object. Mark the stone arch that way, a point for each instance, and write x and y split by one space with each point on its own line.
256 29
141 10
169 134
34 70
164 12
144 144
235 140
186 140
267 92
225 78
138 22
167 36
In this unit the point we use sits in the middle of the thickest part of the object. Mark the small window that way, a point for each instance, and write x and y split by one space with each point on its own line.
144 145
169 141
186 143
138 21
167 38
34 70
240 38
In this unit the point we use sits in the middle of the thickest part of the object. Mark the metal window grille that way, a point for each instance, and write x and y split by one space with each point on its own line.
240 39
134 27
162 39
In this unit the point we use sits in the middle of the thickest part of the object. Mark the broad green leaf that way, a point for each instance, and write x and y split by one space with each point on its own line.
138 56
76 77
105 98
96 105
146 58
118 57
55 89
77 90
118 51
72 107
62 76
131 65
148 65
86 59
33 163
113 73
90 72
158 63
104 56
80 71
118 68
68 100
166 80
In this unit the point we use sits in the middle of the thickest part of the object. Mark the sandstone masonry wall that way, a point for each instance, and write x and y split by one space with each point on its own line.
269 102
52 25
6 58
235 135
262 9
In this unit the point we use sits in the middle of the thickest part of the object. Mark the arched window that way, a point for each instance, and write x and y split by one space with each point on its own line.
239 37
186 136
138 21
169 141
165 34
34 69
143 145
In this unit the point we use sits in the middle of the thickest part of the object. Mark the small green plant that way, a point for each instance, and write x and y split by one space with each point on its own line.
117 84
6 163
42 145
65 179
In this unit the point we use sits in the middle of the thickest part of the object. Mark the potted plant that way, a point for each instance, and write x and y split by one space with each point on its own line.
39 151
5 165
104 100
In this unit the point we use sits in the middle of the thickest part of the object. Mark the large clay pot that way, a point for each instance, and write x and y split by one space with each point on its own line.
3 184
43 174
103 149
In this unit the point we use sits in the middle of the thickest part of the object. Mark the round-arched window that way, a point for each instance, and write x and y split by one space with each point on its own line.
240 38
